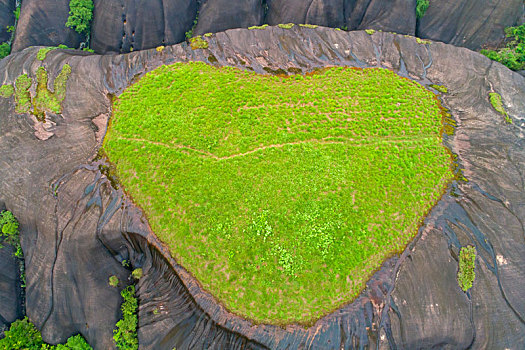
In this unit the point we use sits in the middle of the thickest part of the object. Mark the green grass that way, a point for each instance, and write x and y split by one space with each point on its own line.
282 195
312 26
467 263
495 101
370 31
258 27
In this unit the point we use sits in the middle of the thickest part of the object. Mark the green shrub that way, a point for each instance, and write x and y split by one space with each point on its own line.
198 43
421 8
113 281
7 91
513 55
23 335
467 263
9 229
80 15
5 50
137 273
125 335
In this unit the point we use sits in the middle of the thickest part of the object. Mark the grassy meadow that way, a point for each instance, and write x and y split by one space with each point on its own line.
281 195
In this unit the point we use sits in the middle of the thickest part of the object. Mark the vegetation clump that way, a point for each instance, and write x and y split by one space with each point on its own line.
467 263
258 27
282 195
198 42
312 26
23 335
42 53
80 16
370 31
440 88
113 281
125 335
495 101
6 91
421 8
513 54
22 94
286 26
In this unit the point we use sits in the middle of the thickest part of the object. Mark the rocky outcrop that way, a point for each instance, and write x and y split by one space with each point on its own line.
43 22
328 13
77 229
123 26
219 15
7 18
469 23
397 16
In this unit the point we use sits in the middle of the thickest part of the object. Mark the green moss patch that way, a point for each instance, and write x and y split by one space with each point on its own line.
312 26
440 88
286 26
467 263
282 195
42 53
22 94
258 27
497 103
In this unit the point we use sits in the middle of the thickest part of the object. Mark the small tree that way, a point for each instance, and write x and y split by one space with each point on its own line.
80 16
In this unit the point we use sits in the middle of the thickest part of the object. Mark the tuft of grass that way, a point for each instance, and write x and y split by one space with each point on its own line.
208 35
22 94
272 182
286 26
137 273
198 43
422 41
467 263
160 48
7 91
370 31
42 53
497 103
440 88
313 26
421 8
258 27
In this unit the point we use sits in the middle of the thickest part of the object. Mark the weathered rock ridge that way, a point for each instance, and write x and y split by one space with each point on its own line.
76 228
122 26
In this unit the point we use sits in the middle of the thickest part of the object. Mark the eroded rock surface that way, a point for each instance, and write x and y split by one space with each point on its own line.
122 26
43 22
77 229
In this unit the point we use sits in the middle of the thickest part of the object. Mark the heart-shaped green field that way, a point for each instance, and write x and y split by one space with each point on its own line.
281 195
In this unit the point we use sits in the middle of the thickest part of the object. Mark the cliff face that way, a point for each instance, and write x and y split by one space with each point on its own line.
121 26
77 229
